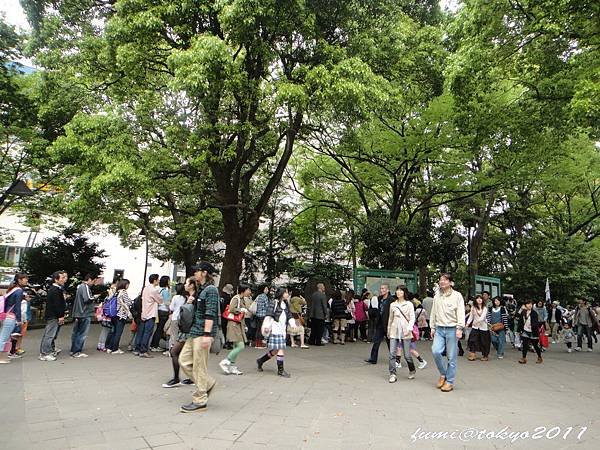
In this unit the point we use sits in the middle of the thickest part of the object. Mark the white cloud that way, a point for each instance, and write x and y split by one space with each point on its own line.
14 14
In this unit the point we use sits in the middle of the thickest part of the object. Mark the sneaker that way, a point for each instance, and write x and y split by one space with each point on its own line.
411 375
233 370
500 357
118 352
393 378
398 364
187 382
130 348
577 349
166 353
171 383
569 350
108 351
47 358
146 355
590 350
422 364
57 351
14 356
20 351
225 365
80 355
135 353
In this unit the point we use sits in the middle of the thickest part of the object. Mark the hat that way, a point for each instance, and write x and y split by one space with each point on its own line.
204 266
228 289
555 302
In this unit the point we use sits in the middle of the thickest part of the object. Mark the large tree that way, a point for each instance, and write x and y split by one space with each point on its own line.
247 77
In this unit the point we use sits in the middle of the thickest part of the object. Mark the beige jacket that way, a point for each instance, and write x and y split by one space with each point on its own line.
448 310
399 326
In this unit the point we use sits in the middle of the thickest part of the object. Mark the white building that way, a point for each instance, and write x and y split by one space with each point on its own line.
120 262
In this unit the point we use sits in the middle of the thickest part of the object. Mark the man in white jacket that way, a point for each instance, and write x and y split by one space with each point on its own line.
447 322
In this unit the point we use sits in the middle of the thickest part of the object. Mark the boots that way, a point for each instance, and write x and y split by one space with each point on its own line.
523 361
540 360
260 361
471 356
280 370
342 337
335 338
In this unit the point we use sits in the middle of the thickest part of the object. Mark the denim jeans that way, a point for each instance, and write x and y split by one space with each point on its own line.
144 333
498 341
118 326
581 329
404 344
81 328
50 332
8 325
378 338
445 340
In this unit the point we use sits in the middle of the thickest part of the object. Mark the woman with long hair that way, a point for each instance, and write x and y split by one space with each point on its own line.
350 316
399 330
279 314
190 290
123 314
361 306
497 317
479 338
529 327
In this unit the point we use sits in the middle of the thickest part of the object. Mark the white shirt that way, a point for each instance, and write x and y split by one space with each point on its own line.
279 328
176 303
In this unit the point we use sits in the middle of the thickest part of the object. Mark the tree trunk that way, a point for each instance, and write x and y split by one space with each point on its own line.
422 280
232 264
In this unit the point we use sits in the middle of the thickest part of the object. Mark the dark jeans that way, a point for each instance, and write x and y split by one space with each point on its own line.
163 316
581 329
144 333
81 328
378 338
316 331
372 327
251 324
525 346
479 341
118 326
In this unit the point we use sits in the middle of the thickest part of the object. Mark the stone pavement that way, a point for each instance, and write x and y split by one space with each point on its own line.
333 401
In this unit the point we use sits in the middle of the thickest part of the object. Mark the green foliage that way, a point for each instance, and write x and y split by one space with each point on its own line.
328 269
70 251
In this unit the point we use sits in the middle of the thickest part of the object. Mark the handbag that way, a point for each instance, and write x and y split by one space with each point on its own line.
267 325
496 327
7 315
543 338
416 333
238 318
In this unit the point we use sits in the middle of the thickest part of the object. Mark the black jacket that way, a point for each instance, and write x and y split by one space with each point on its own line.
535 323
384 312
274 310
55 303
558 315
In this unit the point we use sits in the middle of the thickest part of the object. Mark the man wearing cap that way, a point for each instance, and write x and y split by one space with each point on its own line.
447 322
554 318
193 358
226 294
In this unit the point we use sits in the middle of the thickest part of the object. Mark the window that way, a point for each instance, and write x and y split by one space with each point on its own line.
11 255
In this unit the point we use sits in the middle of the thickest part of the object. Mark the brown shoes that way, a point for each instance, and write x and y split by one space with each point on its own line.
523 361
471 357
539 360
447 387
441 382
485 358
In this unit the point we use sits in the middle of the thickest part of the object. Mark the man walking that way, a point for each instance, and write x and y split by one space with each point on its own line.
447 322
54 315
193 358
83 310
318 313
151 298
585 320
384 301
555 318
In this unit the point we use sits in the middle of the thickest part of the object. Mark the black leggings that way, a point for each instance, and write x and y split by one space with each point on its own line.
175 351
525 341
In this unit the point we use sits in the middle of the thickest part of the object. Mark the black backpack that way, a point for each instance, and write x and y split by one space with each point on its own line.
187 313
136 308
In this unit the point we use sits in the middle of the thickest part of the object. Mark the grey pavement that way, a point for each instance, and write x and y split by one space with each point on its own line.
332 401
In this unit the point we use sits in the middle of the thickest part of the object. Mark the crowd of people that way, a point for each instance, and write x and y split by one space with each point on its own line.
184 324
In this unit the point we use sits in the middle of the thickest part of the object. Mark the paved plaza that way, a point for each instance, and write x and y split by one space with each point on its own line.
333 401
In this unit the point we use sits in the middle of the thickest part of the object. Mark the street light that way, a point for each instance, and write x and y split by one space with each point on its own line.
145 234
18 188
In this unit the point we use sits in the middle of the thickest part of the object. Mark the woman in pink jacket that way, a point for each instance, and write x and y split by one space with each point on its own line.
361 306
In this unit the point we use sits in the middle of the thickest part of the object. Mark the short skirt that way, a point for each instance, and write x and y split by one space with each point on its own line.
276 342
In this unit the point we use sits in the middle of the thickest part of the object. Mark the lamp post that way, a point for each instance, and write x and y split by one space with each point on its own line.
145 234
469 223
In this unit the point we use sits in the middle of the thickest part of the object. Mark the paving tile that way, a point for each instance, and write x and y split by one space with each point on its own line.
157 440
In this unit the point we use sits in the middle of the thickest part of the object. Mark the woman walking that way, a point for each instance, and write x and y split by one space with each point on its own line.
279 313
529 327
235 331
497 317
190 290
479 339
399 330
123 315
